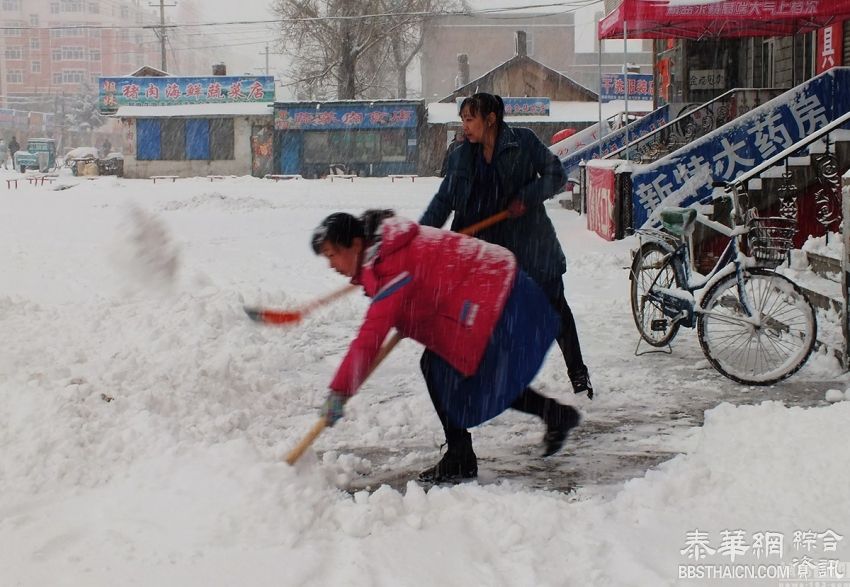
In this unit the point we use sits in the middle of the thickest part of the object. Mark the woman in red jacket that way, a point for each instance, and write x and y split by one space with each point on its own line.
488 325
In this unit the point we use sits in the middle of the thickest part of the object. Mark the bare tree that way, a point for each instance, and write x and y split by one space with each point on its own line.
357 45
405 41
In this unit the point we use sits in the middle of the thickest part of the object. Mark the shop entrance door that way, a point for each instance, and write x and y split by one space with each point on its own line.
290 152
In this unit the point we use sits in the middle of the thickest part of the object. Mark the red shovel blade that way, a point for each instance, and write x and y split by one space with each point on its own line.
273 317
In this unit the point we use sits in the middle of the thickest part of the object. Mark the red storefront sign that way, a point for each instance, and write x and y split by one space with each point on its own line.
830 47
601 199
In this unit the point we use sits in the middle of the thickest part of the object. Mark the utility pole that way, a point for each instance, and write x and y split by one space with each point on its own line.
163 37
266 52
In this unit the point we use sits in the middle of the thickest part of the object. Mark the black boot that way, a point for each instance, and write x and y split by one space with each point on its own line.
559 422
458 463
581 382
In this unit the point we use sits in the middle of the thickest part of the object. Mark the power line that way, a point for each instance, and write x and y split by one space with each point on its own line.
573 5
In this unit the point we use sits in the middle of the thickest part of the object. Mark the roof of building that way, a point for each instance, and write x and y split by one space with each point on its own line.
521 61
446 113
148 71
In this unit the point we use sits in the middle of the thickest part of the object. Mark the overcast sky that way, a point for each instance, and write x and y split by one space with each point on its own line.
250 58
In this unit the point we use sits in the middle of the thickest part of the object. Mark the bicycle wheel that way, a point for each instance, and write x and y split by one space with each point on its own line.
649 269
764 353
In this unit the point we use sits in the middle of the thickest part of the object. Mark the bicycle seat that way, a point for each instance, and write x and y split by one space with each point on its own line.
678 220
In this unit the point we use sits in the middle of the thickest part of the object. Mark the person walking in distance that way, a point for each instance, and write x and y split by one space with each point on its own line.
4 153
486 324
457 141
499 167
14 147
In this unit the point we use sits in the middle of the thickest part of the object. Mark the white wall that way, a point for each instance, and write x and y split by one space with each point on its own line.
239 165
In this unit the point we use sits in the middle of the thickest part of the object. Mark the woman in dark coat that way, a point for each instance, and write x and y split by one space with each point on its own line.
499 167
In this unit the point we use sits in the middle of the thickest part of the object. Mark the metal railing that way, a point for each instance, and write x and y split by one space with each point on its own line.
694 123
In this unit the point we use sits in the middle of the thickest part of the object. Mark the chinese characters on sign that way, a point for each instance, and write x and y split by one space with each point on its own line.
762 555
169 91
748 8
830 47
686 178
526 106
335 117
707 79
614 87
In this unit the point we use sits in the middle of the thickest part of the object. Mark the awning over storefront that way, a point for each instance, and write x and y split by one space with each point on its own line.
694 19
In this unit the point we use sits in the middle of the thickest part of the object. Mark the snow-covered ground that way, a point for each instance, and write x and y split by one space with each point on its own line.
144 418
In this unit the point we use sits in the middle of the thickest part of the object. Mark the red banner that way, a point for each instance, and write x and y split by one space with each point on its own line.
601 197
665 19
830 47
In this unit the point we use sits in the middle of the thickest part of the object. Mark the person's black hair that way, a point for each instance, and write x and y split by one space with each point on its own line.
340 228
484 103
372 221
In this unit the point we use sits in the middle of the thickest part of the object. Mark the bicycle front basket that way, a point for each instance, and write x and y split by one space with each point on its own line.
770 238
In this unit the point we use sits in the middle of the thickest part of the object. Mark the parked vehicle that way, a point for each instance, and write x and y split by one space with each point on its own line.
46 146
24 160
755 325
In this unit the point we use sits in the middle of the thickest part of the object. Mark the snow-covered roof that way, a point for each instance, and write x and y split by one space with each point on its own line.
225 109
446 112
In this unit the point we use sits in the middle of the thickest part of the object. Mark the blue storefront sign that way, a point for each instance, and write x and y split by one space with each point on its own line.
172 91
520 106
366 138
685 176
614 87
526 106
344 116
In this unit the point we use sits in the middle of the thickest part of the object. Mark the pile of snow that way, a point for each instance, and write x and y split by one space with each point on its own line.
143 435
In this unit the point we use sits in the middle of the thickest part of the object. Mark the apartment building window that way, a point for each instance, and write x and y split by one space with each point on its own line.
33 20
125 12
14 53
57 78
72 5
93 77
12 32
15 76
54 8
36 67
56 55
35 44
94 55
11 5
73 76
73 53
94 7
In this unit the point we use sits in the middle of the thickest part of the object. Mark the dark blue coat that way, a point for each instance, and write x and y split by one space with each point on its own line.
525 170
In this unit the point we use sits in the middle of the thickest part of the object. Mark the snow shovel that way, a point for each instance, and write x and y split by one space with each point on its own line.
283 317
317 428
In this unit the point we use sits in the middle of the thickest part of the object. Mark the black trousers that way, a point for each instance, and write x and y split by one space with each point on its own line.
529 402
568 337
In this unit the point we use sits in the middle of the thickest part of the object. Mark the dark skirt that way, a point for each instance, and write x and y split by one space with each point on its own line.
516 350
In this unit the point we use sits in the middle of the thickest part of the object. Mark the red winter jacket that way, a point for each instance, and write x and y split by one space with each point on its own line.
442 289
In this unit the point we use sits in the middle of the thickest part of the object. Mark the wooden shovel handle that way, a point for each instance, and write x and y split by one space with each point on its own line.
486 223
317 428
